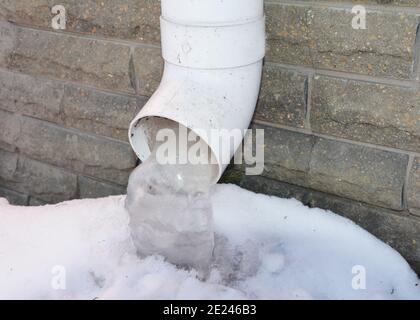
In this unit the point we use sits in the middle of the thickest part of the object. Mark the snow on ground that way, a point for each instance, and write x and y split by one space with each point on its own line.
267 248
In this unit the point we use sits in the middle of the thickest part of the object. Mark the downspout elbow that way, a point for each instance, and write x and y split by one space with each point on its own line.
213 53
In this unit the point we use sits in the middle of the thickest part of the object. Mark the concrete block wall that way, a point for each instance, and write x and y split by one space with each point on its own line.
67 97
340 107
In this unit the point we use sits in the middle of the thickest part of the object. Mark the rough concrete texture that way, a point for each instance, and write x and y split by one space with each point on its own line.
98 63
414 187
148 66
404 3
358 172
125 19
282 97
14 197
90 188
91 155
36 178
99 112
351 171
10 130
27 95
368 112
322 37
287 155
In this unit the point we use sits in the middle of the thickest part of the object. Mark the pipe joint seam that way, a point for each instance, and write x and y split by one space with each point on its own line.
213 47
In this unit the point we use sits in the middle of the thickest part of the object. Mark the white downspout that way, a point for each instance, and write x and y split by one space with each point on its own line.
213 52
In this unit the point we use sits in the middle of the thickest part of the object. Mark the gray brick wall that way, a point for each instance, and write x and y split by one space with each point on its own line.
66 98
340 107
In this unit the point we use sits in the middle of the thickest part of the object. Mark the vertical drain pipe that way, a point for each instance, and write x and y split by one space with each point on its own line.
213 52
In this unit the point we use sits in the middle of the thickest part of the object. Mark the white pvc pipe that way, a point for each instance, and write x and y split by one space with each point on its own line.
213 52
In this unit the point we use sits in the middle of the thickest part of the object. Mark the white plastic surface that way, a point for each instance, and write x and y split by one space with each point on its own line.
212 74
213 47
212 12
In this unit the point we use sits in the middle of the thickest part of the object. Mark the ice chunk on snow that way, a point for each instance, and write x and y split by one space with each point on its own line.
169 221
281 249
170 207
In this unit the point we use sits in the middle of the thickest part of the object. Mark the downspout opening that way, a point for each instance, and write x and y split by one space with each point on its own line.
143 138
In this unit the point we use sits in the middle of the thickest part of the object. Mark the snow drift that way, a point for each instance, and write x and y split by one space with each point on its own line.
266 248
